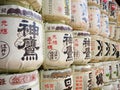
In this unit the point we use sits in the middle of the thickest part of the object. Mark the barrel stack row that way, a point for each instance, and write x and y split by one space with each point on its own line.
21 44
68 45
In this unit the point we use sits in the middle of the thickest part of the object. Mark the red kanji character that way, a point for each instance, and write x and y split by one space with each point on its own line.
49 40
60 9
55 42
3 23
46 85
54 37
4 31
51 86
49 47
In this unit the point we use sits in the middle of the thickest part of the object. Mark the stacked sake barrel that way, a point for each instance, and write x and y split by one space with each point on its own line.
82 73
55 73
111 47
94 13
21 45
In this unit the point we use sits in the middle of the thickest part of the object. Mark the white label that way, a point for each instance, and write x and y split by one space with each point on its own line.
21 43
59 49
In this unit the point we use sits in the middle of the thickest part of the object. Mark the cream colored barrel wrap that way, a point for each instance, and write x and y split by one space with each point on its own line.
97 75
21 44
107 87
82 77
58 46
96 48
56 10
115 85
107 72
105 32
82 47
23 81
112 28
56 79
115 68
79 15
94 19
117 33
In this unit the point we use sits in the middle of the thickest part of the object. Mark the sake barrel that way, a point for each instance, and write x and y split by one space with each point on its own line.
21 41
79 15
58 46
56 79
106 49
96 48
82 47
107 76
97 75
21 81
82 77
56 10
94 2
112 28
94 19
105 32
